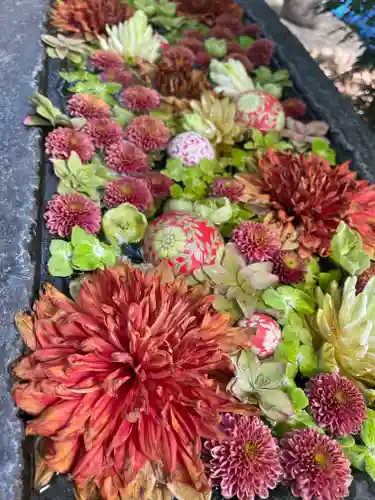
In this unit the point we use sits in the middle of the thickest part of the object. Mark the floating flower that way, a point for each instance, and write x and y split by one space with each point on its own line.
105 59
294 108
336 404
140 98
260 52
266 336
103 132
102 378
126 158
178 55
228 187
160 184
228 21
315 466
247 464
289 267
88 17
148 133
256 241
62 141
69 210
128 190
117 75
124 224
203 59
88 106
179 80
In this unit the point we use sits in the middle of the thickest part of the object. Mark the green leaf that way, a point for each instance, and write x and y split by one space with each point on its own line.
325 279
357 455
304 419
239 158
307 361
61 248
368 433
346 441
246 41
321 148
347 250
59 266
370 465
299 399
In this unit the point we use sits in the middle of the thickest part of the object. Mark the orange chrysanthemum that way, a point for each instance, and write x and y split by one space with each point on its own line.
123 377
88 17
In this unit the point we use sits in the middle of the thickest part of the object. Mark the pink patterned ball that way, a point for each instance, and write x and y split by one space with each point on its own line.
260 110
267 334
184 240
191 148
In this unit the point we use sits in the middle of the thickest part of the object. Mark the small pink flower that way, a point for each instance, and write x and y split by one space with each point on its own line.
159 183
289 267
140 98
62 141
103 132
117 75
148 133
126 158
221 32
69 210
177 54
105 59
88 106
256 241
336 403
314 466
128 190
294 108
260 52
227 186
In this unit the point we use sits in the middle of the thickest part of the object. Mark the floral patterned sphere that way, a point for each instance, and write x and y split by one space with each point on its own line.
185 240
267 334
191 148
260 110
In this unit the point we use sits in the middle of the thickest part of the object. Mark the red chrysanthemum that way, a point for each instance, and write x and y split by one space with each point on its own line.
126 158
203 59
315 466
289 267
103 132
159 183
105 59
179 55
88 106
256 241
365 277
148 133
140 98
248 463
124 377
294 108
62 141
336 403
260 52
227 186
117 75
128 189
251 29
238 56
194 34
361 214
228 21
192 43
69 210
221 32
235 48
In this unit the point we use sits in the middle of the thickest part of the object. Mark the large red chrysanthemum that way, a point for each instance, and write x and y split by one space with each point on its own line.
128 189
336 403
121 377
62 141
148 133
126 158
309 192
140 98
69 210
247 463
103 132
315 466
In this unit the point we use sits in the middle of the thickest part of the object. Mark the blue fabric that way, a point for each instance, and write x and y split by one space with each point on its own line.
343 12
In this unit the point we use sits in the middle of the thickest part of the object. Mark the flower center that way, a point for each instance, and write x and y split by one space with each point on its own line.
73 141
250 449
126 189
320 459
340 397
75 205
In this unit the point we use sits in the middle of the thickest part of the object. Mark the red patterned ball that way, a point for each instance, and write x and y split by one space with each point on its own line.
260 110
267 334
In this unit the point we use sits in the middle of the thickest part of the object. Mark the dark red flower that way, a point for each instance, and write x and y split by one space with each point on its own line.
235 48
222 32
128 189
148 133
203 59
103 132
126 158
227 186
88 106
294 108
194 34
247 463
228 21
62 141
159 183
251 29
260 52
336 404
179 55
105 59
140 98
256 241
192 44
289 267
69 210
247 64
314 466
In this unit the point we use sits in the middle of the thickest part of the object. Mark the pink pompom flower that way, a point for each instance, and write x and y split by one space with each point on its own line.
62 141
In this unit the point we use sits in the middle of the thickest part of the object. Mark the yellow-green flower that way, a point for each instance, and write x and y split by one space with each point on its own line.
170 242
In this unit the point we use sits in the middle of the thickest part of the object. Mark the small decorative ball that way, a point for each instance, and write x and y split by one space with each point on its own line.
267 334
162 40
191 148
260 110
186 241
